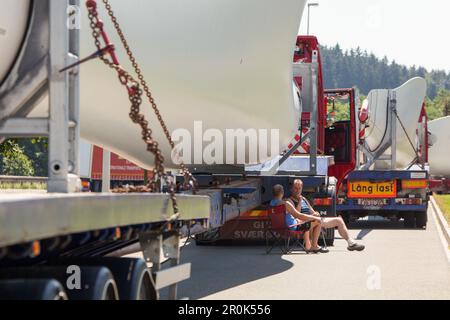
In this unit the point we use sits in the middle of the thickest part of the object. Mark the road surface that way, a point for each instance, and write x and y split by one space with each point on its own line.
397 264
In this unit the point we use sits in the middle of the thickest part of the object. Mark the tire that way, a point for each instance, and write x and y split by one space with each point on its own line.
133 278
329 238
32 289
346 217
96 283
421 220
410 221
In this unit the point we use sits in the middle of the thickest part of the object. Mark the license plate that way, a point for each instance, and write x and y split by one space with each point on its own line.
366 189
372 203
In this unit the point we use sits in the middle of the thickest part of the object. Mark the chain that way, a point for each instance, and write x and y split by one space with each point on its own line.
135 94
190 181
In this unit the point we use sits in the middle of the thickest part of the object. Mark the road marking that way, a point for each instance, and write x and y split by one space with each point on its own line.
440 233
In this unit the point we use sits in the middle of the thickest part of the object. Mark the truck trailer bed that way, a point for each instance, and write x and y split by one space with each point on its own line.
29 216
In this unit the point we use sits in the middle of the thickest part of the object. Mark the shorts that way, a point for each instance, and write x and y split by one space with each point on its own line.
304 227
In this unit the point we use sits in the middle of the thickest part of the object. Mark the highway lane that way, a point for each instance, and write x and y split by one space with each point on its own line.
398 264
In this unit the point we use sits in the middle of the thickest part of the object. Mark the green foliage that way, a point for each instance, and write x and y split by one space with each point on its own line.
23 186
340 111
345 69
36 150
13 160
440 106
444 203
17 155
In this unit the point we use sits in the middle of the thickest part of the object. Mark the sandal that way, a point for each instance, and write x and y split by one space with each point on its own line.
321 250
308 251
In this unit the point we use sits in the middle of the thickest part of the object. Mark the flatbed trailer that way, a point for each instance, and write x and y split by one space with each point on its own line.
365 190
54 244
239 203
27 217
40 231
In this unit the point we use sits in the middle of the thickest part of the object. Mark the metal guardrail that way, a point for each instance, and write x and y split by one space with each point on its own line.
442 222
18 179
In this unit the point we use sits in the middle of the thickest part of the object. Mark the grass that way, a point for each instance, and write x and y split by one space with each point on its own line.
444 203
23 186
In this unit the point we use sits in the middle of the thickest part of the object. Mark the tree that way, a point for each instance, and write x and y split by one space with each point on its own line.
440 106
36 150
359 68
13 160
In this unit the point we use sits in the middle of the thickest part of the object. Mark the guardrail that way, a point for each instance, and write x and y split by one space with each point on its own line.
442 222
17 179
23 183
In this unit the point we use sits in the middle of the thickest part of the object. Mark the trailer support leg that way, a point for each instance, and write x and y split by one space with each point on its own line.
63 101
158 249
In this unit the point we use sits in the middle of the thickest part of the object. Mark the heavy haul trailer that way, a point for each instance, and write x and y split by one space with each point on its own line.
328 156
83 228
239 200
371 183
53 245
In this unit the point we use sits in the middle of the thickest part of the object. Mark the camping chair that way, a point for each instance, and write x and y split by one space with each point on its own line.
322 234
280 233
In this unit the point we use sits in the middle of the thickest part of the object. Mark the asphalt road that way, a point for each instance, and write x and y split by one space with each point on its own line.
397 264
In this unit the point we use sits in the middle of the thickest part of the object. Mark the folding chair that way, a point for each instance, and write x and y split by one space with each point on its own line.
322 234
281 234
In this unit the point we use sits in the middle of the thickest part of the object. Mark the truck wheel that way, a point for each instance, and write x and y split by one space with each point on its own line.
410 221
31 289
133 278
329 238
85 283
97 283
421 220
345 216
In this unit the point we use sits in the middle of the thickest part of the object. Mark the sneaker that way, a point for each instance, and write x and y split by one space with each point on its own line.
321 250
356 247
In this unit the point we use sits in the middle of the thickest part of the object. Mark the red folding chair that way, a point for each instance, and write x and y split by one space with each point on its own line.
281 234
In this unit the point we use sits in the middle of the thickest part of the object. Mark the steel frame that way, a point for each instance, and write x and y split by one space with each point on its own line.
161 248
389 141
33 77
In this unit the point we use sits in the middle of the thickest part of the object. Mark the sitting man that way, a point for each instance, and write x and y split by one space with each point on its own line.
297 221
301 204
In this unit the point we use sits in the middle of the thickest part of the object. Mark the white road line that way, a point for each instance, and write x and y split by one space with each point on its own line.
440 233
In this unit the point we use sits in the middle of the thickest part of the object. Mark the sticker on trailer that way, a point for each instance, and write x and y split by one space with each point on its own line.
305 146
418 175
414 184
366 189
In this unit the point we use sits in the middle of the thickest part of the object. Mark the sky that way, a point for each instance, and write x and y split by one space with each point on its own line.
410 32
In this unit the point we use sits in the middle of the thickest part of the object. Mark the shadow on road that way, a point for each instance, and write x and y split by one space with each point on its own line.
228 267
368 226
